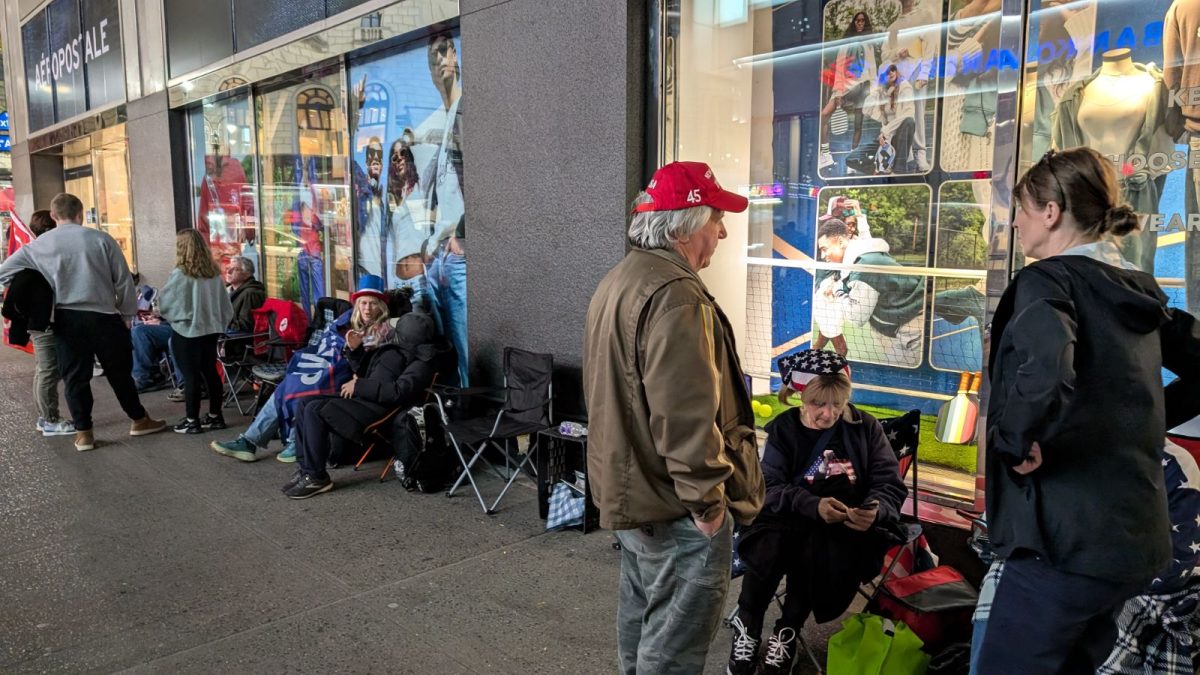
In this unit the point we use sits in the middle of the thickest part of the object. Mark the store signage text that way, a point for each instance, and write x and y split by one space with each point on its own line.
5 143
4 121
1178 222
69 57
996 60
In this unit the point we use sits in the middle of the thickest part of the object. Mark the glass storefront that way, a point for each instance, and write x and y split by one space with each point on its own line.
222 156
866 133
304 189
863 132
96 169
276 178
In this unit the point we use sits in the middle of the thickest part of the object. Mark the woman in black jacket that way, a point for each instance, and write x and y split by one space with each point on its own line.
832 484
386 377
1076 506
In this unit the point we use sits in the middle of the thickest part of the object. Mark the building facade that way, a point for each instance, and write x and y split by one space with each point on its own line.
326 139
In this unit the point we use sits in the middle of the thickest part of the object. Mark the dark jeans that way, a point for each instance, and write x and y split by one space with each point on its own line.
197 358
1047 621
673 585
315 443
84 337
759 591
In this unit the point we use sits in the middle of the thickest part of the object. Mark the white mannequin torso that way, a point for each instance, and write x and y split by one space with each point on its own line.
1113 108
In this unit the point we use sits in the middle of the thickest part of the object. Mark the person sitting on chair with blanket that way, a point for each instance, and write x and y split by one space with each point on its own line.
386 377
832 484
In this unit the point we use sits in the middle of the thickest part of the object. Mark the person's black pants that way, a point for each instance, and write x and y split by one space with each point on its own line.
314 442
1044 620
83 338
759 590
197 359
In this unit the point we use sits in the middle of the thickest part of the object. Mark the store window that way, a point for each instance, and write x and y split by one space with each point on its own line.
305 196
96 169
1127 88
222 160
408 177
863 132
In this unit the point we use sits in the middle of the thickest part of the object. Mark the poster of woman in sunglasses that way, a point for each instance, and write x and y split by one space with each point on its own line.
410 227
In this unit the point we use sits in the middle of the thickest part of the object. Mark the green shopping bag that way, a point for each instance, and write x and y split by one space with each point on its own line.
871 645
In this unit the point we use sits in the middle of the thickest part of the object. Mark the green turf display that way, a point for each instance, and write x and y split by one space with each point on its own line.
958 457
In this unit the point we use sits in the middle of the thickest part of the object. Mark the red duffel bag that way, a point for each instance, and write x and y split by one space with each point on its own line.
936 604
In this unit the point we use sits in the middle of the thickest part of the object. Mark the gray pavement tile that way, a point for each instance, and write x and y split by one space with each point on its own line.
344 637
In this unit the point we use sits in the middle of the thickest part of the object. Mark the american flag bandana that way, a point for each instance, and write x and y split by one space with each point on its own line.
798 369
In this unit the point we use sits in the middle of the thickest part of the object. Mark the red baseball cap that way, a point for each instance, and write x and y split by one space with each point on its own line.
682 185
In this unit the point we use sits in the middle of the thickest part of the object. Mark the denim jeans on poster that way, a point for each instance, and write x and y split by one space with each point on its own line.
447 287
311 279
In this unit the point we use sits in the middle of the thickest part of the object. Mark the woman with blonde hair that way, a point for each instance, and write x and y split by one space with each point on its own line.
832 484
194 301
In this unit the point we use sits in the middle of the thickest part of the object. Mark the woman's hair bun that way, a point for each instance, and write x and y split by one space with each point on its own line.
1120 220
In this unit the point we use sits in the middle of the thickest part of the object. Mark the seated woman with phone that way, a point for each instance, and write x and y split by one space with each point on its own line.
833 486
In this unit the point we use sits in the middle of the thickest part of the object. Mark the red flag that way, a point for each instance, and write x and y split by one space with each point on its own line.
19 234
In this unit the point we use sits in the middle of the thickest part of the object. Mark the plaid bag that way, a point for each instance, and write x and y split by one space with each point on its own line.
566 507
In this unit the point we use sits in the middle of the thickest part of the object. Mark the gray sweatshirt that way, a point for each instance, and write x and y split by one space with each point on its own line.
195 307
85 268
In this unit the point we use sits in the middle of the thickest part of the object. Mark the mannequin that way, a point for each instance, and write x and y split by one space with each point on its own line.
1114 104
1120 110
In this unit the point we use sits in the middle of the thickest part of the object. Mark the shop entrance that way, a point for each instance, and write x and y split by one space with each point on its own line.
96 169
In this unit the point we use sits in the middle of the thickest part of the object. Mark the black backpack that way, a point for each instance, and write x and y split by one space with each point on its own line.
424 461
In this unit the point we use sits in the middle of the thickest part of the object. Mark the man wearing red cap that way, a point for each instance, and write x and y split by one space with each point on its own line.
671 436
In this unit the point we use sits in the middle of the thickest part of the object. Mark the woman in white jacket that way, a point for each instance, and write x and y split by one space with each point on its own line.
196 304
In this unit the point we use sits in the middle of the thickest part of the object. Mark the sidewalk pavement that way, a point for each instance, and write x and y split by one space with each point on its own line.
157 555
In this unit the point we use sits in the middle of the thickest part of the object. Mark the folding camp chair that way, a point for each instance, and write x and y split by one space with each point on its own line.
528 408
377 432
237 354
903 434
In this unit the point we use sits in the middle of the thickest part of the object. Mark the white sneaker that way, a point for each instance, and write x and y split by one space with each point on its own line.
824 160
59 428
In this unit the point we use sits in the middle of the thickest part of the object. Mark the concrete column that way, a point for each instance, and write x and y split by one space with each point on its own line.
553 148
158 178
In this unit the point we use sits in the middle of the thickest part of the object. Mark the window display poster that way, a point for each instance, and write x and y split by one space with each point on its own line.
969 90
223 156
407 178
959 304
867 315
878 87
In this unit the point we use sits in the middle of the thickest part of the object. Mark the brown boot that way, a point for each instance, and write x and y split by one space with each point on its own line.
84 440
146 426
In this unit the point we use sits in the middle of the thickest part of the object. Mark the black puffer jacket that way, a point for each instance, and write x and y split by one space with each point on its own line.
1077 348
29 305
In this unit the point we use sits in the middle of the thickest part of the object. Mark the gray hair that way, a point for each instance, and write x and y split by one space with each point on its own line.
661 229
245 263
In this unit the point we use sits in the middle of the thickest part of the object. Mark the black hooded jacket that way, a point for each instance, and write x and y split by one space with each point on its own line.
29 305
1077 348
391 376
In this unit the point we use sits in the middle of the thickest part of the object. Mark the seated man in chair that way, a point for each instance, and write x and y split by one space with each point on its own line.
386 377
832 482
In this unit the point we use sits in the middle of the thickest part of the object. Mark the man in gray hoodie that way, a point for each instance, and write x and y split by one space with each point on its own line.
95 301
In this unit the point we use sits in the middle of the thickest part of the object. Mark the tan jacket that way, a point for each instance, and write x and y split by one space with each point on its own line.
670 427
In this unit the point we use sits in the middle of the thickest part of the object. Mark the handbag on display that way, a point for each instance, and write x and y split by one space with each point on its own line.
869 644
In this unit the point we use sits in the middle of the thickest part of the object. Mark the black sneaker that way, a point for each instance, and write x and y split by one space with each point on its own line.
297 476
743 657
187 426
212 422
309 487
781 649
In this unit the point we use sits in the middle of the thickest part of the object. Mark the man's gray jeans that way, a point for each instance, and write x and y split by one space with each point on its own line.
45 375
673 585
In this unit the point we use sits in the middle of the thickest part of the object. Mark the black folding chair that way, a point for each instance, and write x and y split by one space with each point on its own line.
235 358
528 408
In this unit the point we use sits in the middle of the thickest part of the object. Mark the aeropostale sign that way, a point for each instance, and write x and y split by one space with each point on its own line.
70 57
73 59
